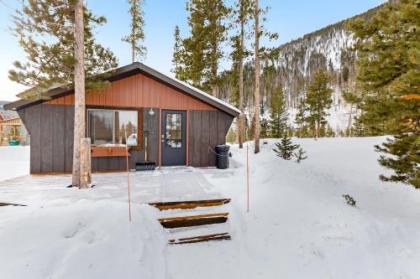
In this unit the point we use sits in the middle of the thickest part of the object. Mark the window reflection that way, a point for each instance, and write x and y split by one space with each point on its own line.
113 127
174 130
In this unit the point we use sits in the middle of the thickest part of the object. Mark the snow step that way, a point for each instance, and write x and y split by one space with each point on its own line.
193 220
201 238
189 204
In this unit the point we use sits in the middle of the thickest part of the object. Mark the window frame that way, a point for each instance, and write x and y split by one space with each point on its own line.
114 110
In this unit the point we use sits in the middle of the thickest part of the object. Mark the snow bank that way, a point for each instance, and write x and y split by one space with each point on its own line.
14 161
84 240
299 225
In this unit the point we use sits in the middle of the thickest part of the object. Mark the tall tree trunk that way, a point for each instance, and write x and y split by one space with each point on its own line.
241 120
350 119
79 93
317 130
257 125
214 66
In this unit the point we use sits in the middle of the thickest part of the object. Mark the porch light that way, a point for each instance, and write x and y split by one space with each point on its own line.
151 112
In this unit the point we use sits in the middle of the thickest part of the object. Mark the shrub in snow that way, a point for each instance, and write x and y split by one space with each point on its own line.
300 155
285 148
349 200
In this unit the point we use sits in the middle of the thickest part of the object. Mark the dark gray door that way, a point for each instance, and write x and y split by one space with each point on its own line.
173 138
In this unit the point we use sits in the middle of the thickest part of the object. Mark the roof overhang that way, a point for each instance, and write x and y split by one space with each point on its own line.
130 70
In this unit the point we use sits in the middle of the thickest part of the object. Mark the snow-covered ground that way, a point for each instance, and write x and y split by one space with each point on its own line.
14 161
299 225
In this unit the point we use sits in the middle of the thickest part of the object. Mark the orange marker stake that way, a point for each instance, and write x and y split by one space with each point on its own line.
247 179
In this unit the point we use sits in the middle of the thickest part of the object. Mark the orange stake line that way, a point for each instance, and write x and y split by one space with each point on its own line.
247 179
128 179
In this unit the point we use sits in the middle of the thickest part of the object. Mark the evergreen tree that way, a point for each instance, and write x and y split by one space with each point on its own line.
136 36
353 100
300 155
202 50
300 118
81 171
257 35
45 29
279 115
318 100
177 55
259 32
285 148
389 70
239 54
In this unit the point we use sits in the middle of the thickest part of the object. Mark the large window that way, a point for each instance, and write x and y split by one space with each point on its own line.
113 127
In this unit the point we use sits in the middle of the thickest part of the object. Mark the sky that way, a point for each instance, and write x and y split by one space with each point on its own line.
291 19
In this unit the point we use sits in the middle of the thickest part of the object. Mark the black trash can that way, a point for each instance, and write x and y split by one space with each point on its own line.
222 156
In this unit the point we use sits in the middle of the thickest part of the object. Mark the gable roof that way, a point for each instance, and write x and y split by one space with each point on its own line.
130 70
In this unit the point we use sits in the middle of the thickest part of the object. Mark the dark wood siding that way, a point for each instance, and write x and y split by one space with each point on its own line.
207 129
51 131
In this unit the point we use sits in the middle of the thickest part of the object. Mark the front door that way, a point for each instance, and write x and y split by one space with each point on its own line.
173 138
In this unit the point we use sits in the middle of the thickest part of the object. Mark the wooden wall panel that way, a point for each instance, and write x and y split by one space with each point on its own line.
204 139
212 140
51 130
68 141
138 91
46 139
58 138
207 129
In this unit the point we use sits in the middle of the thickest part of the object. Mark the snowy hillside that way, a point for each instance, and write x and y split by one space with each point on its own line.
299 225
330 49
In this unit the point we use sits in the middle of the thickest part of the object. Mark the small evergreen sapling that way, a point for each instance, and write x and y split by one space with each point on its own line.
300 155
285 148
349 200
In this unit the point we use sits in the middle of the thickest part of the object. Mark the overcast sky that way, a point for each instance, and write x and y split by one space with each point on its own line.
290 18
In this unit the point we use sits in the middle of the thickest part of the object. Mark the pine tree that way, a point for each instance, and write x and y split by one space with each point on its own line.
257 34
80 175
300 117
136 36
388 70
318 100
202 50
260 31
353 100
285 148
239 54
300 155
61 50
177 55
278 115
45 29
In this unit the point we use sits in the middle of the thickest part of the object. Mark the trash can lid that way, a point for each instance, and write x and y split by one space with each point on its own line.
222 147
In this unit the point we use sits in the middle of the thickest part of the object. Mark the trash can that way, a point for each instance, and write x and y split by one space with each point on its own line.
222 156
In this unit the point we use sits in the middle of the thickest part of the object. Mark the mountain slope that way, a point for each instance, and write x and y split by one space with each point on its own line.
328 49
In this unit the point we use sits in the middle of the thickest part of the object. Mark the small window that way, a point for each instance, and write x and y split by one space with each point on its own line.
113 127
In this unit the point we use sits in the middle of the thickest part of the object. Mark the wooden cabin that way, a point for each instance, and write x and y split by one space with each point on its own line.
161 119
11 127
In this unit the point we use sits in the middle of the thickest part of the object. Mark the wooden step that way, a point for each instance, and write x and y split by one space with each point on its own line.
189 204
201 238
193 220
11 204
